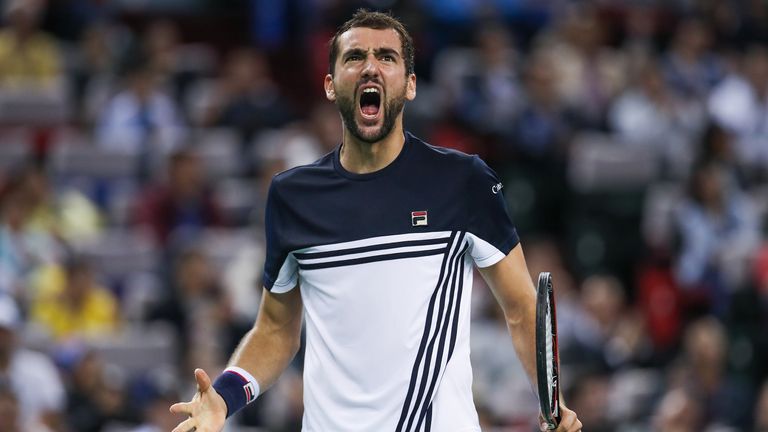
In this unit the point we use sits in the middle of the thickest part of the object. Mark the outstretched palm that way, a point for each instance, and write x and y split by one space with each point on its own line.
207 409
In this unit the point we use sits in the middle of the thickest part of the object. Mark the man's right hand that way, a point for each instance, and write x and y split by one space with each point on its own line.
207 410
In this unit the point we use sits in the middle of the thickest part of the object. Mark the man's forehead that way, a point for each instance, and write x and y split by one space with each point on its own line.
367 38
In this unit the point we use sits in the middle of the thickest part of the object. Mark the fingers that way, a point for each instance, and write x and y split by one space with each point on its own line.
203 380
185 426
182 408
569 422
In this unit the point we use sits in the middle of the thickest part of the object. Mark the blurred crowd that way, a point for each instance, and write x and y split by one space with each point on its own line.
137 141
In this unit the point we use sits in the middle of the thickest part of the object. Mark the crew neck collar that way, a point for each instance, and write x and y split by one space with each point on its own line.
371 175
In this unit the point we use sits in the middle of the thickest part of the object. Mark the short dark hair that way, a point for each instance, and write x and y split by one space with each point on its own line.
377 21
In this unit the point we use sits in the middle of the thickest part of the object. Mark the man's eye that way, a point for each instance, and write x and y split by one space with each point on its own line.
353 57
388 58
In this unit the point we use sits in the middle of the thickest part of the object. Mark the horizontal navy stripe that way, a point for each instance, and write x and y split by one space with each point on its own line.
365 260
362 249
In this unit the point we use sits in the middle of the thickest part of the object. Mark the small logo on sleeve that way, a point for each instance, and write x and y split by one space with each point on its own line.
250 392
419 218
496 188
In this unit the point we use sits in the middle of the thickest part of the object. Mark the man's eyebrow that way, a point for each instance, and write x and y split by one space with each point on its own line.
390 51
354 51
377 51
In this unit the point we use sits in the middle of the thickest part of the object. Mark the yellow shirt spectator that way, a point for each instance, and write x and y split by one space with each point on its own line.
71 304
32 62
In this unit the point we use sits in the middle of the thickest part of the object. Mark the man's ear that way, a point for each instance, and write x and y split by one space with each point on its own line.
410 90
330 91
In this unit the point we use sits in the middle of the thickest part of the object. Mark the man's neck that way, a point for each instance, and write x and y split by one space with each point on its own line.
362 158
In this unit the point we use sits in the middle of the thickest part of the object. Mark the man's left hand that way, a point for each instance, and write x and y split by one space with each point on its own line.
569 422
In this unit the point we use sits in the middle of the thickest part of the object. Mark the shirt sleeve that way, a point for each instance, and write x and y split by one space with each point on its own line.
490 230
280 267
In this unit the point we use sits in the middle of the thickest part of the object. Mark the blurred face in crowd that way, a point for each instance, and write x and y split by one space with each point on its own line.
369 83
756 68
585 31
186 176
692 37
9 411
705 343
495 43
88 372
24 15
15 209
541 80
194 274
678 412
590 399
247 70
143 82
35 186
161 37
604 299
79 283
709 186
652 81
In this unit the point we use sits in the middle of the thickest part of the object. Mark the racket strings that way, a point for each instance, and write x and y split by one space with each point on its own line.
550 353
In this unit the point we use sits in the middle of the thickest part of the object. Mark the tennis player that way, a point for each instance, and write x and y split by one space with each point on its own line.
374 245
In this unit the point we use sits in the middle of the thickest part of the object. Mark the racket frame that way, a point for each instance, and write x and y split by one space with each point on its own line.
550 407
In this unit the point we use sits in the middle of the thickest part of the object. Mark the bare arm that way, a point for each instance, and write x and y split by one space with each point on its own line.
271 344
264 352
514 291
513 288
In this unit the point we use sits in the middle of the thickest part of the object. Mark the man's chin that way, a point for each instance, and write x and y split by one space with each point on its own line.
370 134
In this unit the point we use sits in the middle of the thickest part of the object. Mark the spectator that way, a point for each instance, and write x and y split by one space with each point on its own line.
32 376
489 95
718 232
717 146
590 394
95 396
71 304
651 115
160 46
679 411
690 68
183 203
740 105
196 307
298 144
620 328
156 416
542 129
67 216
702 372
246 97
500 382
93 72
140 119
590 73
29 58
23 249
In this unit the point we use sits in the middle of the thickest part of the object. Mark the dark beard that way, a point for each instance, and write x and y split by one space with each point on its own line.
392 109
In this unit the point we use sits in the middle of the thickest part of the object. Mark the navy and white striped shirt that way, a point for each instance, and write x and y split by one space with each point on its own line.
384 264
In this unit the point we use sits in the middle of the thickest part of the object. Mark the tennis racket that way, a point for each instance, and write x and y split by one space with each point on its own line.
547 362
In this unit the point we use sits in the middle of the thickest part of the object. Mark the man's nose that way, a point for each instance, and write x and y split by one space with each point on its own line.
370 67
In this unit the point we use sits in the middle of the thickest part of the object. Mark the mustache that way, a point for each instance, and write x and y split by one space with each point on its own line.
365 81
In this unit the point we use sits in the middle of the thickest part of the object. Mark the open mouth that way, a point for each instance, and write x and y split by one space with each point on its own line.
370 102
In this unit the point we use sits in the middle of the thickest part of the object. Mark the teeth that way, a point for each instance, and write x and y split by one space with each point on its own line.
371 90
